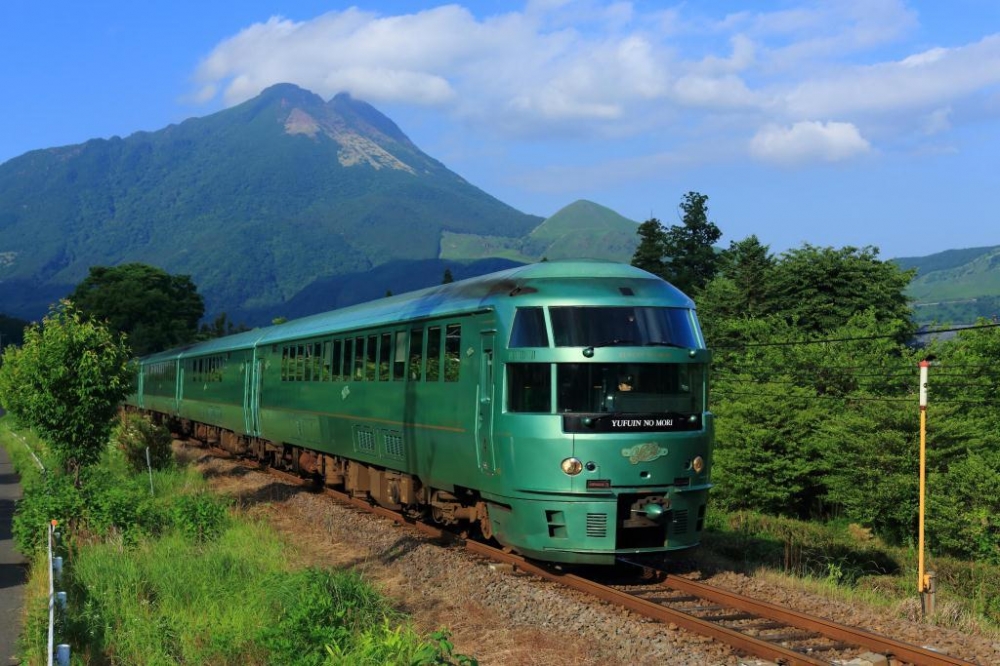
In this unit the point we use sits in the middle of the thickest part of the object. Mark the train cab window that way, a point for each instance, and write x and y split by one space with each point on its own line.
529 328
370 358
399 357
384 354
630 388
359 360
416 354
578 326
338 358
433 353
452 352
529 387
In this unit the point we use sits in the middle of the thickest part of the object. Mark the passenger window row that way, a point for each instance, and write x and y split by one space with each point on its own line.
387 356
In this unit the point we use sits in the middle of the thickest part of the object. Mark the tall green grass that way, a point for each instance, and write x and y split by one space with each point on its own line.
234 600
177 575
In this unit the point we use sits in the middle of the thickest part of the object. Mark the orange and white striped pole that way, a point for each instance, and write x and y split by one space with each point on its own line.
921 575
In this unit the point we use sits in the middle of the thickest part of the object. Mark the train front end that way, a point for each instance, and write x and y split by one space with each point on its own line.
604 440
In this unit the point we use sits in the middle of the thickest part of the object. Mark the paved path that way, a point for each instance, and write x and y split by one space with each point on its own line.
12 565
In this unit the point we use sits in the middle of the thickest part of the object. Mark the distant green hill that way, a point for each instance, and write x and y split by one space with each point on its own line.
581 230
956 286
255 202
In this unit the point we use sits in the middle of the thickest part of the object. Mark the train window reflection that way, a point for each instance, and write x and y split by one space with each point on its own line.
630 388
529 328
433 353
452 352
529 387
623 326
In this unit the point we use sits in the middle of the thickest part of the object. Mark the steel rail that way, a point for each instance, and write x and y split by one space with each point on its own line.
741 642
883 644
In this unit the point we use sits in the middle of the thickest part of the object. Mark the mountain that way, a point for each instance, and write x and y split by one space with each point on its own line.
256 203
955 286
582 229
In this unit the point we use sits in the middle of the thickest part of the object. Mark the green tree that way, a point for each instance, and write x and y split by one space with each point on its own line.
689 247
220 327
649 254
66 381
447 277
740 288
155 309
820 288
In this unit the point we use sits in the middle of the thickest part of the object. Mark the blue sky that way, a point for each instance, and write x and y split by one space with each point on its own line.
851 122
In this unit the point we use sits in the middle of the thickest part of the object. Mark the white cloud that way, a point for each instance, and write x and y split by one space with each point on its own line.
925 79
601 69
808 141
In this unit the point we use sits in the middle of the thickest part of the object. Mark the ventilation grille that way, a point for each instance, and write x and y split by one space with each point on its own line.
597 525
366 441
680 522
393 445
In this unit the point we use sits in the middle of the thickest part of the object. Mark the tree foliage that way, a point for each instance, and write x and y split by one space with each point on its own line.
649 253
154 309
684 254
66 381
815 390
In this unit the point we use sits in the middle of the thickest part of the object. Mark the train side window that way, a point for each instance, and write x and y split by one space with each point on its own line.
399 357
359 359
371 358
416 354
529 387
300 363
452 352
529 328
326 374
384 356
284 363
338 352
317 362
433 353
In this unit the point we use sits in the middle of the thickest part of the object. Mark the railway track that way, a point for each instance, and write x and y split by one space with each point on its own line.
751 627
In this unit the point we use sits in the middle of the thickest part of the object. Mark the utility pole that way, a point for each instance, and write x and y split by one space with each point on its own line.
925 580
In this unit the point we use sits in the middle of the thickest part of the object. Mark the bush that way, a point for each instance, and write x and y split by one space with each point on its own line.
134 434
201 516
54 497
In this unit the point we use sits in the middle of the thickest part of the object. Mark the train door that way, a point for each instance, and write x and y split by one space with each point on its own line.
251 395
139 389
485 402
179 388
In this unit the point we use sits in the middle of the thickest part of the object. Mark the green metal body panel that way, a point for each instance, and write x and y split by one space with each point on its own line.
279 383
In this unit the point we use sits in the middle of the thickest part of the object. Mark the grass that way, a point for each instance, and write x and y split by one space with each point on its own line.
847 562
183 576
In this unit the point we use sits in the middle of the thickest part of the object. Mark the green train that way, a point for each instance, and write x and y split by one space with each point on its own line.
559 408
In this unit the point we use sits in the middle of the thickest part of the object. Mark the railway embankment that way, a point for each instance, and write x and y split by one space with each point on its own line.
504 617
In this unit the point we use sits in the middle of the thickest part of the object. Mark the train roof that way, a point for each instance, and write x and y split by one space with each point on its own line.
455 298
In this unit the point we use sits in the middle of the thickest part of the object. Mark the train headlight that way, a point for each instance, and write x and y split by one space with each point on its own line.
572 466
698 464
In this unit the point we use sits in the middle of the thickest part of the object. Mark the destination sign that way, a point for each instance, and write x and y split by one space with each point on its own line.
618 422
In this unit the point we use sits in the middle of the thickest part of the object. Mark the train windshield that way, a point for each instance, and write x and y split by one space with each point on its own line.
630 388
586 326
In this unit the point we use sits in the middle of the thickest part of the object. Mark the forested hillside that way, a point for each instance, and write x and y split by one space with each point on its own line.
955 286
254 203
